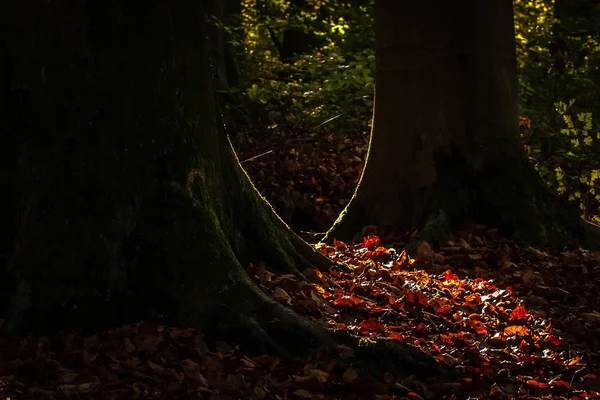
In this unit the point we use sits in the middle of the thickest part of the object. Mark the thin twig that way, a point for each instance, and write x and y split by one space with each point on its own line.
255 157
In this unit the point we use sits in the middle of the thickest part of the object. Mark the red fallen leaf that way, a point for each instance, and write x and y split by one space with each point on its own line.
519 313
562 383
347 301
421 327
396 335
445 309
516 330
416 297
339 245
478 327
461 335
414 396
446 339
370 241
422 298
555 341
537 384
371 325
450 276
522 345
473 370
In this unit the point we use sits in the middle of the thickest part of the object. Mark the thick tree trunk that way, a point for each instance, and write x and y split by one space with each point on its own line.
228 16
444 146
124 199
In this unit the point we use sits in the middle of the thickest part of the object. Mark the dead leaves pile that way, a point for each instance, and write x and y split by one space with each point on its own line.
308 179
143 361
514 321
517 323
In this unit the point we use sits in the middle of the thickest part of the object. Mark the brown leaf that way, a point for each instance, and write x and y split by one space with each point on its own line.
281 295
344 351
425 252
350 375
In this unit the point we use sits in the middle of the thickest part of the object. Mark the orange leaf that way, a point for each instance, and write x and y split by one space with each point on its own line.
478 326
446 339
522 345
516 330
534 383
403 258
370 241
519 313
450 276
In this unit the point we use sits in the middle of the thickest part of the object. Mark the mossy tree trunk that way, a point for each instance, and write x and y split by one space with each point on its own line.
122 197
444 146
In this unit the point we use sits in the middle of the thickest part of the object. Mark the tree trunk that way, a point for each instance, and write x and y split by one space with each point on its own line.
124 199
123 189
224 59
444 145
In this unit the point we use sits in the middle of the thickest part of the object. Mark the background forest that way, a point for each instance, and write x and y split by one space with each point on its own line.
302 100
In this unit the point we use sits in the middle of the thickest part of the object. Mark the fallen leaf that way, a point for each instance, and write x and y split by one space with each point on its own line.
350 375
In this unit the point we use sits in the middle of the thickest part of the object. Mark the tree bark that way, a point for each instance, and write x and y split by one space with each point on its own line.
125 200
124 192
444 145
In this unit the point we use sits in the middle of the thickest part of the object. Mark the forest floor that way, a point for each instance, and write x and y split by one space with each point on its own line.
308 178
515 321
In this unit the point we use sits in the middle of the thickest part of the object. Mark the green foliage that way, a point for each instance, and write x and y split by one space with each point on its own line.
558 54
333 80
573 169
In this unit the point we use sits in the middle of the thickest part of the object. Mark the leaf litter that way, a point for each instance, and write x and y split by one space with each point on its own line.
514 321
308 177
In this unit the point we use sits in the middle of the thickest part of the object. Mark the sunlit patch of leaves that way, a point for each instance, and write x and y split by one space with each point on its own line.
517 322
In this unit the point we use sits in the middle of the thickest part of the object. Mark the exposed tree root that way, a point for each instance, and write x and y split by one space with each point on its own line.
308 252
436 229
278 329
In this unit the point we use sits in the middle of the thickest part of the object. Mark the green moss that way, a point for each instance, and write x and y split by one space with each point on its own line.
350 221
